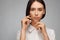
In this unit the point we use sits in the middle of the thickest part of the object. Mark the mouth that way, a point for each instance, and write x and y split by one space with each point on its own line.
36 18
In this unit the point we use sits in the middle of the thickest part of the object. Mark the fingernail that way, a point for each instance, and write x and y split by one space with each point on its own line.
30 21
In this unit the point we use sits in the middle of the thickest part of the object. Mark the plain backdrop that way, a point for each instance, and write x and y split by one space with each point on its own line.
12 11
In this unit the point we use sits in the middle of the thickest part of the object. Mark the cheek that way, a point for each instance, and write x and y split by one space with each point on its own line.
31 13
41 13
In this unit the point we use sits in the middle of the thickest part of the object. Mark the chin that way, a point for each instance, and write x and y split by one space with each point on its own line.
36 20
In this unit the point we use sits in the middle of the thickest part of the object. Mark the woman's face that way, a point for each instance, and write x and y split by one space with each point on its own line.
36 11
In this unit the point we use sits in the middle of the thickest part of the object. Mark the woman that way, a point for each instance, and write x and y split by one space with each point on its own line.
32 27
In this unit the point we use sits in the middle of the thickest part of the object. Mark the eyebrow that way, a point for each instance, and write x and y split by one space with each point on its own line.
34 7
38 8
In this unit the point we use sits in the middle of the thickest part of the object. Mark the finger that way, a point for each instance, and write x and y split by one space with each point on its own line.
28 17
38 23
39 27
42 23
28 21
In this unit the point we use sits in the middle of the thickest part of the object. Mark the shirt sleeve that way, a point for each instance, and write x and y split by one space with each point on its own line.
52 35
18 35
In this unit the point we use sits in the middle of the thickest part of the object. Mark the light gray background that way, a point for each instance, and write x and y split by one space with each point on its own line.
12 11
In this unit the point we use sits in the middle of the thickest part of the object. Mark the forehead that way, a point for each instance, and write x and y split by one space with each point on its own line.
36 4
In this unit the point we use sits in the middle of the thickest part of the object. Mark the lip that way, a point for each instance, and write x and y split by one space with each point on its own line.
36 17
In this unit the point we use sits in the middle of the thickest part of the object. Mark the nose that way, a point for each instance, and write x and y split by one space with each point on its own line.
36 13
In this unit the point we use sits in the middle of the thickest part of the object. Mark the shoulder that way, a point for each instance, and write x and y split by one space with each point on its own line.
51 33
18 34
49 30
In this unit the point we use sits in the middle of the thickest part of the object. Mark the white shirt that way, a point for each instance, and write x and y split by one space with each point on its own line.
33 34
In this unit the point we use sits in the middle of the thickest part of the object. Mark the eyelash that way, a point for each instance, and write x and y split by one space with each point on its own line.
38 9
32 9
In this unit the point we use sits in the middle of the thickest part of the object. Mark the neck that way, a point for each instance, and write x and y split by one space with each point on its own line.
33 24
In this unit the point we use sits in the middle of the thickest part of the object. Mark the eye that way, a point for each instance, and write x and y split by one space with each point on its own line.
32 9
40 9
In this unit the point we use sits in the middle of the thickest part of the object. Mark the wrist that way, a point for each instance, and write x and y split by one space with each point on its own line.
45 35
23 29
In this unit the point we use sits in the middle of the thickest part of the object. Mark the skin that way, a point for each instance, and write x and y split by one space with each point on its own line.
36 13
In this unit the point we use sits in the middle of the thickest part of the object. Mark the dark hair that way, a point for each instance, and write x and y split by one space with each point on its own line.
29 6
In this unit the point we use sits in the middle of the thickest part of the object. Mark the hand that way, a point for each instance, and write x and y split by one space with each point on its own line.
25 22
40 26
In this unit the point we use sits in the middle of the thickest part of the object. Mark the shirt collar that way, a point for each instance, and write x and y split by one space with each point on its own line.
31 28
